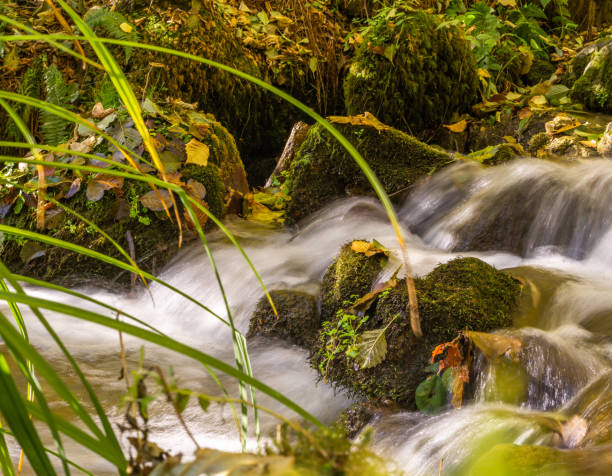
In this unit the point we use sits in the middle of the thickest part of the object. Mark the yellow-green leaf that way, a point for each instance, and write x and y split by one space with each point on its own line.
197 152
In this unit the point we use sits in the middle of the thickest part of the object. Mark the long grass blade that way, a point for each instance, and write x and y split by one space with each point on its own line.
18 420
8 469
163 341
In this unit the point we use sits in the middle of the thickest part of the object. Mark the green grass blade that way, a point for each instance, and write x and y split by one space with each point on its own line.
17 418
48 450
30 235
110 434
5 458
163 341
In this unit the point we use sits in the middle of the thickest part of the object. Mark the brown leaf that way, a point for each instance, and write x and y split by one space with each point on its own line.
75 186
109 181
524 113
461 376
156 199
364 303
95 191
98 111
196 189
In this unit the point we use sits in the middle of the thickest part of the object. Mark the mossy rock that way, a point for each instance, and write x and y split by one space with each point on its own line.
409 73
540 70
358 8
240 105
493 155
120 213
594 86
351 274
297 321
323 170
463 293
538 142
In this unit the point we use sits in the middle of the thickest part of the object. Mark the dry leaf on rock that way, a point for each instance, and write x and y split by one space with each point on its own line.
156 199
197 153
98 111
95 191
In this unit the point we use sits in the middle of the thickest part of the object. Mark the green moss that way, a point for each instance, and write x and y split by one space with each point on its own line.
430 76
594 87
209 177
322 169
510 64
463 293
538 141
297 320
540 70
493 155
350 274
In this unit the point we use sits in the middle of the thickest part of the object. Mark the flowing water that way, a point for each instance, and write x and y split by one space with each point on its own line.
550 222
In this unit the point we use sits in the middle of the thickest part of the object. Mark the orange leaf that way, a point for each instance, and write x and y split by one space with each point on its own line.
457 127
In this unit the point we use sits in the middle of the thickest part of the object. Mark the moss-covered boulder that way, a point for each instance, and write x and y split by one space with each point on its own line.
297 320
323 170
463 293
531 460
126 210
350 276
409 73
593 86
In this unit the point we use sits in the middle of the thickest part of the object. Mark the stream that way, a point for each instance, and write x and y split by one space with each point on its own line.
550 222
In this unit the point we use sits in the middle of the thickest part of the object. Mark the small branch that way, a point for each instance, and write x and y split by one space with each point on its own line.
62 21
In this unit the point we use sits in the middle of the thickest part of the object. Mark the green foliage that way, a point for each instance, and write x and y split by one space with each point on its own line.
114 24
340 336
31 85
55 129
431 394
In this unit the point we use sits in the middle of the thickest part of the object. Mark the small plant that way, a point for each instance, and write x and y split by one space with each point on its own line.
135 209
341 336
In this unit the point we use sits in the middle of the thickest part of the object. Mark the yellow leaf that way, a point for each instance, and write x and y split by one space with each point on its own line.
369 249
457 127
512 96
126 27
197 153
539 100
507 3
483 73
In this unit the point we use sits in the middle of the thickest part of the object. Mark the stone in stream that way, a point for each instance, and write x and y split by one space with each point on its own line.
604 146
297 321
323 170
129 211
410 73
463 293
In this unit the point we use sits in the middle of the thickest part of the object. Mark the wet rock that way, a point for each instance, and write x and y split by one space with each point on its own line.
463 293
530 460
297 321
570 147
409 73
593 88
594 404
538 142
356 417
494 154
323 170
604 146
557 123
351 274
295 140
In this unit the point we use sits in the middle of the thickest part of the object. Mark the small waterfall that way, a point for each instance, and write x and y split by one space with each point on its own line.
519 207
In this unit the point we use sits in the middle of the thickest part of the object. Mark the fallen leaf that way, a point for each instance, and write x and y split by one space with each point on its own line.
196 189
461 376
494 346
126 27
371 348
457 127
156 199
483 73
524 113
109 181
369 249
95 191
75 186
197 153
98 111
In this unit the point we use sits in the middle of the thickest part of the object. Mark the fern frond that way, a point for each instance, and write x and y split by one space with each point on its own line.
31 85
110 22
56 130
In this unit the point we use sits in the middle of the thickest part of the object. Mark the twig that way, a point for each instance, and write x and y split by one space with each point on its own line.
62 21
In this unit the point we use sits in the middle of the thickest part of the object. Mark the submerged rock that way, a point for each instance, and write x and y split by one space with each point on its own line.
411 73
297 320
463 293
604 146
323 170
